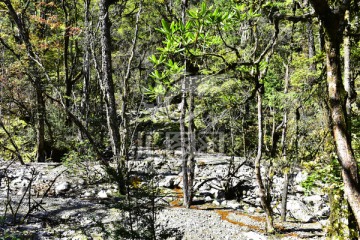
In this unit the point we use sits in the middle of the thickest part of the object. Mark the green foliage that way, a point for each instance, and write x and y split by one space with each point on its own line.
21 137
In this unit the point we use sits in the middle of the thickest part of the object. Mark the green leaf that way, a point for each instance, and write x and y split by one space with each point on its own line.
203 9
166 26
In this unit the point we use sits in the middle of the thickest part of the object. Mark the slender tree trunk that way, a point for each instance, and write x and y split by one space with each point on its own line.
334 29
84 105
107 84
184 154
40 136
311 44
68 82
183 137
107 87
284 150
124 127
339 126
262 192
192 143
349 90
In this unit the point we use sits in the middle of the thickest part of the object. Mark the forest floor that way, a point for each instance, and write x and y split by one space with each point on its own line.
77 214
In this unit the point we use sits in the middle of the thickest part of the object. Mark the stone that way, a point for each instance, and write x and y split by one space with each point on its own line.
251 210
102 194
299 189
216 203
87 194
62 187
208 199
299 211
313 200
323 213
253 236
167 182
233 204
21 191
81 181
300 177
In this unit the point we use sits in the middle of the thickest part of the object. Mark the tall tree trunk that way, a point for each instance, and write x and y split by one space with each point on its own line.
68 82
284 150
262 192
334 29
84 105
192 143
311 44
350 96
40 136
183 137
36 80
107 87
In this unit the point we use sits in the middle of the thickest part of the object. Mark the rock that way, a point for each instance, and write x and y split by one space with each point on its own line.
102 194
313 200
299 211
218 194
21 191
81 182
87 194
216 203
254 236
300 177
167 182
62 188
323 213
299 189
233 204
251 210
208 199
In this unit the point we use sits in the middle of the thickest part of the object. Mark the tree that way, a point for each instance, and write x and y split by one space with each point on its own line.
35 77
333 23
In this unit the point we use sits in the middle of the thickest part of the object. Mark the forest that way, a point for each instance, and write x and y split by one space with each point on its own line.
115 91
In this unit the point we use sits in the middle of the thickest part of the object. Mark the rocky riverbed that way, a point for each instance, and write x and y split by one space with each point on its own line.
76 201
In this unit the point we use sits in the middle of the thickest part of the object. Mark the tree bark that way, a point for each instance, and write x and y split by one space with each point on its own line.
107 87
284 150
183 137
334 29
262 192
84 105
349 90
192 143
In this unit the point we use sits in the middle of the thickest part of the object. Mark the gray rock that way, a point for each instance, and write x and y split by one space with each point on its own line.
313 200
299 211
168 182
208 199
102 194
216 203
233 204
251 210
300 177
254 236
323 213
62 187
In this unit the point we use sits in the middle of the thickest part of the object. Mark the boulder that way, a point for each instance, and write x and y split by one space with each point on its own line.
313 200
233 204
300 177
102 194
168 182
62 187
299 211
